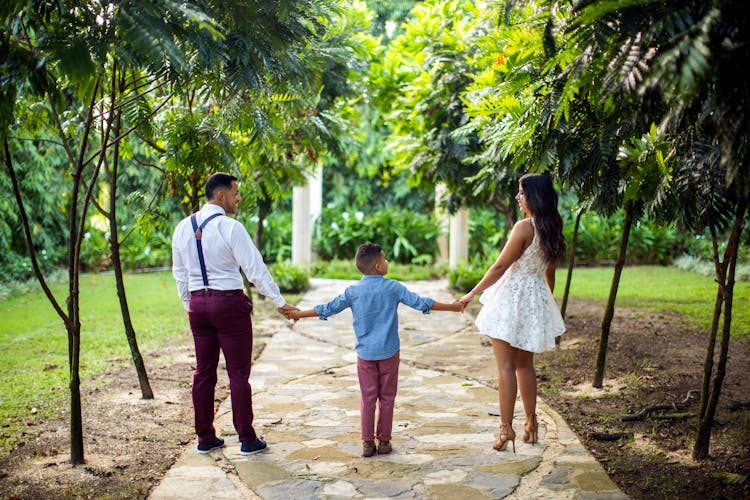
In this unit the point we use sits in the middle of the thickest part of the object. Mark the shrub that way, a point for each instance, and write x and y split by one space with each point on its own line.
706 267
290 278
406 237
277 234
465 275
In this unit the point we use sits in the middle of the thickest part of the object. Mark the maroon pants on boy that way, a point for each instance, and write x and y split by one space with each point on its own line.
378 382
220 320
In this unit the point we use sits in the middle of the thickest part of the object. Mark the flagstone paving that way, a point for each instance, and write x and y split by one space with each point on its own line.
306 402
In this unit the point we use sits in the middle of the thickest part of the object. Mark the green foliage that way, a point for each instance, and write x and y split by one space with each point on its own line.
277 234
485 233
650 242
404 236
290 278
465 275
41 179
346 270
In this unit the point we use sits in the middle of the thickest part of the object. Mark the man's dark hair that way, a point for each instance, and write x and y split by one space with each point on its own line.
217 181
368 255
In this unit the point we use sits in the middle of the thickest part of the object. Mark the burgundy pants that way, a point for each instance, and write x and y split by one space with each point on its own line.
220 320
378 382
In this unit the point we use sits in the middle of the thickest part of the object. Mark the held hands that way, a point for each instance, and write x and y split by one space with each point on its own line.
465 300
286 310
295 315
456 306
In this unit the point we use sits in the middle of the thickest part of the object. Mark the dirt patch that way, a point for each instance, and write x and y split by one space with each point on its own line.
652 359
131 443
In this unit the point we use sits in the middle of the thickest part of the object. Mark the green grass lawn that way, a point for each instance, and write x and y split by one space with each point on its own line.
655 288
34 346
34 343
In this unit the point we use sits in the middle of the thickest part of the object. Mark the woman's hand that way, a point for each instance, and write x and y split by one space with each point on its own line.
466 300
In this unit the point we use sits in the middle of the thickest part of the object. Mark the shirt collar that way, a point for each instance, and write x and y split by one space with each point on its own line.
210 209
372 276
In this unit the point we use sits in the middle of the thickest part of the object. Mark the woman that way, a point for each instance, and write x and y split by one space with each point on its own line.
519 312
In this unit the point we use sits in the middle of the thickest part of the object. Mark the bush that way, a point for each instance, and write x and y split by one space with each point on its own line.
346 270
465 275
486 226
290 278
277 235
706 267
406 237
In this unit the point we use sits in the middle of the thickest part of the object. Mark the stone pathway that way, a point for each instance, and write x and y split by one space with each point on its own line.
306 402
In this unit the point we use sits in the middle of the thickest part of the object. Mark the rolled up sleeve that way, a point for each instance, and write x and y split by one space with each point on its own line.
335 306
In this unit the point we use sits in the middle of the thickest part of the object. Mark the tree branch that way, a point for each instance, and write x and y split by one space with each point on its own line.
127 132
27 234
664 406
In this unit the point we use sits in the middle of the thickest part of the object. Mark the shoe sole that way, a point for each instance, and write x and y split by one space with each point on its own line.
246 453
203 452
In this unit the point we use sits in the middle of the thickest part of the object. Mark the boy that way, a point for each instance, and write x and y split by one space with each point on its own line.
374 302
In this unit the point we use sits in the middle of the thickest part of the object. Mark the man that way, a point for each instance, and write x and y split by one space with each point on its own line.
208 250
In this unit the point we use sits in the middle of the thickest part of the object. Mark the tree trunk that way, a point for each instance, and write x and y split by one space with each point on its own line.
114 245
609 312
76 413
70 318
725 272
571 264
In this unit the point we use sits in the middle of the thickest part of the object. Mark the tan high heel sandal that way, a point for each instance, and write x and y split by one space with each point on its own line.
506 434
531 431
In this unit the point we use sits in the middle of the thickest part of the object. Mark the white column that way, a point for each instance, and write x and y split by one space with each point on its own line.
307 203
301 227
441 215
459 238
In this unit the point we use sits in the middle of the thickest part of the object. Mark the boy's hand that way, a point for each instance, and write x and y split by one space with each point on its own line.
286 310
458 306
295 315
466 300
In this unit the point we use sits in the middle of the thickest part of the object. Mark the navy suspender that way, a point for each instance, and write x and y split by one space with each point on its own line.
198 233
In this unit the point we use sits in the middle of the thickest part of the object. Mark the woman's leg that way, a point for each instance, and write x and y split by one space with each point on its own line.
506 358
526 376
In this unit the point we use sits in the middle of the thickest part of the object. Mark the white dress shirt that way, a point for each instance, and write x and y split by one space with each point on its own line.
227 247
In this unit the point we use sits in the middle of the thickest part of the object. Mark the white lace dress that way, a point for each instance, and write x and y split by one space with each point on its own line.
519 307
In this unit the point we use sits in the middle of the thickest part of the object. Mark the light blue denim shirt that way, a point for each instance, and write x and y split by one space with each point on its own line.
374 302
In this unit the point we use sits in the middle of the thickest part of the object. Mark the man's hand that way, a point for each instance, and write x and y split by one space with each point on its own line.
286 309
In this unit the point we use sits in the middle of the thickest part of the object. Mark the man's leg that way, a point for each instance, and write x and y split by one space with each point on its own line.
235 333
388 385
204 377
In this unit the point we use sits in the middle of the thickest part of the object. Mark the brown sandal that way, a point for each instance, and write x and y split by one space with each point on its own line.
506 434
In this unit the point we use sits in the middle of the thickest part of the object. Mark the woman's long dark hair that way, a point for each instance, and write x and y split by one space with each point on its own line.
541 200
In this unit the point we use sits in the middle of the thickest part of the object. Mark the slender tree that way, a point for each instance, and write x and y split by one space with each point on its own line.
62 50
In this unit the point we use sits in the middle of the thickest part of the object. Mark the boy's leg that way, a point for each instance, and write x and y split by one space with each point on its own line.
388 384
367 372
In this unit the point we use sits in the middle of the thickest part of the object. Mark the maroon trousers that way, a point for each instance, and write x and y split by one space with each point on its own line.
378 383
220 320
